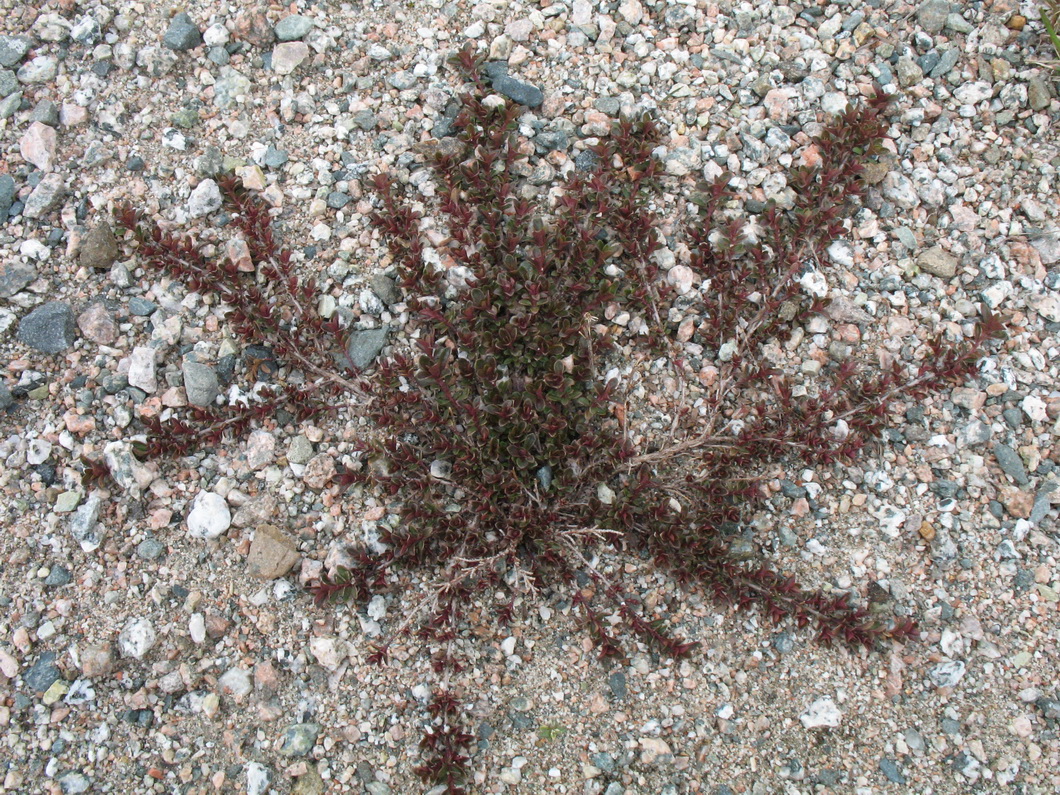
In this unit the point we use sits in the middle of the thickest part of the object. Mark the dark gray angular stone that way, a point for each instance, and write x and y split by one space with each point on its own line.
46 112
1011 463
200 384
8 82
6 401
183 34
617 683
518 91
7 195
42 674
13 49
293 27
48 328
14 276
337 200
274 158
365 345
889 768
385 288
57 577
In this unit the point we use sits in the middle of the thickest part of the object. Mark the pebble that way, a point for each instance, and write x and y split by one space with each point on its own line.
13 49
205 199
258 778
937 262
947 674
45 196
99 249
1011 463
235 683
293 27
49 328
299 739
364 346
518 91
209 516
41 69
84 524
200 383
889 768
143 369
42 674
183 34
97 660
822 713
137 638
288 56
272 553
37 145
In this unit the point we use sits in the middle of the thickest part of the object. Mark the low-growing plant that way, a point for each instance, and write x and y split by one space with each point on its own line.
508 454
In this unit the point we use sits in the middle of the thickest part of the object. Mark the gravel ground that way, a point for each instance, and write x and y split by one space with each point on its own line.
154 637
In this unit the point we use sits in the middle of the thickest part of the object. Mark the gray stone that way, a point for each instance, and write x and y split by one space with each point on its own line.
293 27
889 768
200 383
337 200
947 674
205 199
275 158
258 778
8 82
84 524
938 262
74 783
947 61
1011 463
48 328
518 91
364 346
7 195
57 577
13 49
41 69
10 104
617 683
6 401
46 112
1038 93
958 24
402 80
86 30
141 307
183 34
231 87
42 674
300 450
45 196
14 276
932 15
150 549
99 249
385 289
298 740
